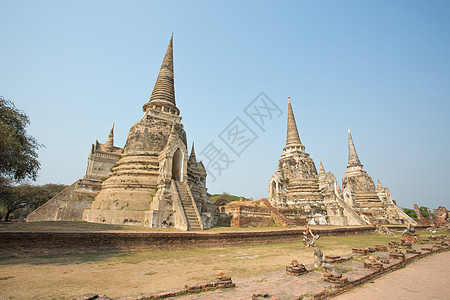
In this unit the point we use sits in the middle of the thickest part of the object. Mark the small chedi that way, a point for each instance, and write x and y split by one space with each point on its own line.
151 181
375 205
296 184
72 201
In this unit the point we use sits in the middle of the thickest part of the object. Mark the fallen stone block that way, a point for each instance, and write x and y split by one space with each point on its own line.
412 251
329 268
393 244
381 247
373 265
332 275
296 268
382 260
257 296
397 255
335 278
360 250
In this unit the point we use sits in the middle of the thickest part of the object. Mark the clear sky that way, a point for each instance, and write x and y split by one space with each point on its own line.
380 67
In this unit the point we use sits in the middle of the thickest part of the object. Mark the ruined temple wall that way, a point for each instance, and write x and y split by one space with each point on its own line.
249 216
256 216
68 205
294 216
100 165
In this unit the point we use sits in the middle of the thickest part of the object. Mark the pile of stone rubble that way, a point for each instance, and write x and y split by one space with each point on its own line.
296 269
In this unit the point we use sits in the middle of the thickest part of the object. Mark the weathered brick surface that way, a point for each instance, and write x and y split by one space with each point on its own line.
43 243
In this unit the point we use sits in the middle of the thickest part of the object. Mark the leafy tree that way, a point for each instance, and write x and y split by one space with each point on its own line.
18 150
43 193
411 213
24 198
10 199
225 198
424 212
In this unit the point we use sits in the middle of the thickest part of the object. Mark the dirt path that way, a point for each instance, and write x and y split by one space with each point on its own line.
429 278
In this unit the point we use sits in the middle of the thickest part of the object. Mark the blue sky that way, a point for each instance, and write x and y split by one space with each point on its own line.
380 67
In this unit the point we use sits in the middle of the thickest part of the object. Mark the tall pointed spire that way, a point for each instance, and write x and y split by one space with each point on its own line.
293 138
353 160
109 144
164 90
192 157
321 168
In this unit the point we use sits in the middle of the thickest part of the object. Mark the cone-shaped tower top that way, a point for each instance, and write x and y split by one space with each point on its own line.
293 138
379 186
109 144
321 168
353 160
192 157
164 90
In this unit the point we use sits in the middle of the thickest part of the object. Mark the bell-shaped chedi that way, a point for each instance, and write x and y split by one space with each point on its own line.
296 184
374 204
149 185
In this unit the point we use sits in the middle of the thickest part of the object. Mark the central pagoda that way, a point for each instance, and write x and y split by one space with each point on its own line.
155 183
296 185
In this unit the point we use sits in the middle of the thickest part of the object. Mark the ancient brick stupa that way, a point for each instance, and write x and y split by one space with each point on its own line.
296 184
375 205
150 181
154 183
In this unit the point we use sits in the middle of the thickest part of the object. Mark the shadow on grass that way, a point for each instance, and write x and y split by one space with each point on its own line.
62 259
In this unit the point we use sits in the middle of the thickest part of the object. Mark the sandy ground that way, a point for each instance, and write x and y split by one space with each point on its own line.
130 273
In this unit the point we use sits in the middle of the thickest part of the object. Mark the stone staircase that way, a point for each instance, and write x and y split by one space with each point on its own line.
188 207
277 216
281 219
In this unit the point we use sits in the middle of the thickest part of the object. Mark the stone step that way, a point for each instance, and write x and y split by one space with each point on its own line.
188 207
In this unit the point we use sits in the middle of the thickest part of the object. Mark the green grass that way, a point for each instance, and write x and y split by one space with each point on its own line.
6 278
151 273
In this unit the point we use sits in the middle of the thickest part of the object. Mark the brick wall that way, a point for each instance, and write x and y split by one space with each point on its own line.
43 243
